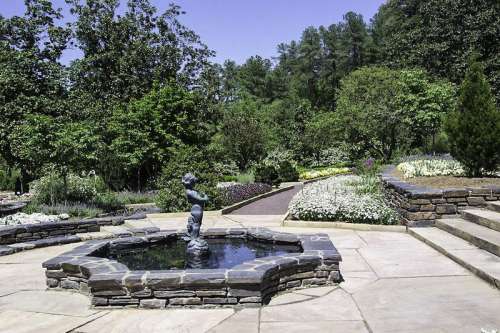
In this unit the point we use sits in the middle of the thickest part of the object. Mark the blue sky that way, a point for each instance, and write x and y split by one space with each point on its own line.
238 29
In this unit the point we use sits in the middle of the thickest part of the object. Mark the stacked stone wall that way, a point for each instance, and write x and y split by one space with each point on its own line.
421 206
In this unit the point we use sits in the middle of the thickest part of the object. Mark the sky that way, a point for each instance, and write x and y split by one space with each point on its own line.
238 29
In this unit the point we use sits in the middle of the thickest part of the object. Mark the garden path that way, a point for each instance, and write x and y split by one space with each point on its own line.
276 204
393 283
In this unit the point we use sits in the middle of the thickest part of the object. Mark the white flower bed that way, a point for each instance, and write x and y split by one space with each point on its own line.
342 199
35 218
431 167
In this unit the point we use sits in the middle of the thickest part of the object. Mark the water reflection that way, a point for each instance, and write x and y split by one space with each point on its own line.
224 253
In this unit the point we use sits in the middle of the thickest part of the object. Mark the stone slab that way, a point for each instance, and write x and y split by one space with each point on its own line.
243 321
288 298
411 261
157 321
430 304
52 302
357 326
317 291
317 309
13 321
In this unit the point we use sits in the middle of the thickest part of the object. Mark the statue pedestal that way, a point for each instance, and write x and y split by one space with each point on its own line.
197 246
197 253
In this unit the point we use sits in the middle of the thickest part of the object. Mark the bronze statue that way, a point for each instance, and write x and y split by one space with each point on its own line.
198 200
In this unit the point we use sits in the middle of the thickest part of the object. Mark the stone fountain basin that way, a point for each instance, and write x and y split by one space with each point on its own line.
252 283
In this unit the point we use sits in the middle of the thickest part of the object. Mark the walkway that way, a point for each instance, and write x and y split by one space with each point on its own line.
274 205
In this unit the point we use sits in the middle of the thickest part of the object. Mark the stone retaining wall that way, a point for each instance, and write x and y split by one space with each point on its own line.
421 206
22 237
252 283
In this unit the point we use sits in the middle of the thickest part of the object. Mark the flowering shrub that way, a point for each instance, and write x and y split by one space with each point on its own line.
233 193
428 167
312 174
338 155
345 198
50 189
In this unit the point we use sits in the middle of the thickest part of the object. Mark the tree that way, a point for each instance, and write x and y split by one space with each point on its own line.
32 90
320 133
427 102
439 36
474 128
382 110
124 54
243 135
146 131
285 123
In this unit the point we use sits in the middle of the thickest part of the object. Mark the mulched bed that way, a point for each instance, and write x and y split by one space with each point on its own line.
448 181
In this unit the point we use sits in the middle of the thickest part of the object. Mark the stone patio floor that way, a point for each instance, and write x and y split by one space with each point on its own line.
394 283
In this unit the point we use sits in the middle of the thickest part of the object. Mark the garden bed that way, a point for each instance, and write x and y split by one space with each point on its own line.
447 181
420 205
345 198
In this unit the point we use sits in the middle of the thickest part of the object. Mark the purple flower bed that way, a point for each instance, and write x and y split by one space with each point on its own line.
238 192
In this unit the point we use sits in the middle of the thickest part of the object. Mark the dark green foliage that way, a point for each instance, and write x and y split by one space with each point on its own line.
171 196
8 177
31 80
267 174
242 132
381 110
125 54
439 35
287 172
107 201
474 128
144 131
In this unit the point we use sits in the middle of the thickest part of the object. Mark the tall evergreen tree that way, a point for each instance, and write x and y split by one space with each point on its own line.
474 128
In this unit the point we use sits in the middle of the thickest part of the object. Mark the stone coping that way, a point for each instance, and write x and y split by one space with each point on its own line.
251 283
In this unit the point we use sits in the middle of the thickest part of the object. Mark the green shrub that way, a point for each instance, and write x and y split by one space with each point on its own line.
287 172
245 178
127 198
51 190
8 179
369 167
267 174
474 128
108 201
171 196
73 210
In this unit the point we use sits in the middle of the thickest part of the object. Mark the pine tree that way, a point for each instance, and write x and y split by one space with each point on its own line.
474 127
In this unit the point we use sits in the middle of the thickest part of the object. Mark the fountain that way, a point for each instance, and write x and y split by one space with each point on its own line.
171 268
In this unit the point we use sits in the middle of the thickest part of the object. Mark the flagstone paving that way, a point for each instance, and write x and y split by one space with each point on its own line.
393 283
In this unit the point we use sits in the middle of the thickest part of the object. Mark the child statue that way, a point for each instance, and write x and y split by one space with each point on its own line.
198 200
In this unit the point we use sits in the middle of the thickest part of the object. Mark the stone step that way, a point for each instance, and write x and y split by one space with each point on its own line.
482 237
480 262
494 206
486 218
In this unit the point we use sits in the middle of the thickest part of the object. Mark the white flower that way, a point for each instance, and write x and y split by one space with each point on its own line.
341 198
